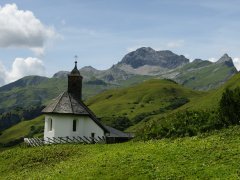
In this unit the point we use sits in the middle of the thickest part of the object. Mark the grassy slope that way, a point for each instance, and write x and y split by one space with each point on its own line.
35 90
208 101
145 97
210 156
20 130
212 98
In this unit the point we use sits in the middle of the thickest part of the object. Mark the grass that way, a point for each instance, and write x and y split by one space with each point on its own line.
215 155
21 129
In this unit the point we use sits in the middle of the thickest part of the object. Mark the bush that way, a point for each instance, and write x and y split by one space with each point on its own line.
229 109
121 123
118 122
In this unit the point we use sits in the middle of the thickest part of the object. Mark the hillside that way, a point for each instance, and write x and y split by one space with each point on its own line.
125 107
23 129
213 97
149 101
36 90
214 156
140 101
204 75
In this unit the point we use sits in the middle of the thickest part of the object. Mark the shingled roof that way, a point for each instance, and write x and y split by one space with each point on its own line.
66 103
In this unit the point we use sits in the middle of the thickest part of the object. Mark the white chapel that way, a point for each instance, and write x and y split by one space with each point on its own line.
68 116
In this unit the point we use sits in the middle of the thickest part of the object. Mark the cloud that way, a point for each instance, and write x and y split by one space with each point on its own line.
236 62
212 59
2 74
21 67
20 28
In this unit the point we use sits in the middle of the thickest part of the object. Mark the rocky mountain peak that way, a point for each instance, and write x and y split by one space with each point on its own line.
226 59
148 56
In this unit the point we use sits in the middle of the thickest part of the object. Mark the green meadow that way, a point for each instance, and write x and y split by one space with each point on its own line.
213 155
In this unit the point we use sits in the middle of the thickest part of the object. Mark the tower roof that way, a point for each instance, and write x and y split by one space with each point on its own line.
75 70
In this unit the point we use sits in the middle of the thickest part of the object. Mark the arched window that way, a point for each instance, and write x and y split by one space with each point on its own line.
74 125
50 124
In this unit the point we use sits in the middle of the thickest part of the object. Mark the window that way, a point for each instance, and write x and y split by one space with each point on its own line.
50 124
92 137
74 125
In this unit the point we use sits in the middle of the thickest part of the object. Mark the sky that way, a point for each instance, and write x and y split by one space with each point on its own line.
42 37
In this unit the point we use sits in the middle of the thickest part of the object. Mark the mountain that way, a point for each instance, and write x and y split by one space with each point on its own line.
136 67
128 105
145 61
204 75
144 103
139 104
148 56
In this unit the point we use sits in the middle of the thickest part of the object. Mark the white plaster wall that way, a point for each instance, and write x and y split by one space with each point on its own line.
63 124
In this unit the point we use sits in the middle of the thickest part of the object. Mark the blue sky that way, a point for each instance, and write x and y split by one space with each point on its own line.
101 32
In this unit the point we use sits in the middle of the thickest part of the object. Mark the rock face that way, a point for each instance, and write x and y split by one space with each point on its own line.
148 56
226 60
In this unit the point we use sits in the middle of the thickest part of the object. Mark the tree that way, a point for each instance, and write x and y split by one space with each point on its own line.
230 107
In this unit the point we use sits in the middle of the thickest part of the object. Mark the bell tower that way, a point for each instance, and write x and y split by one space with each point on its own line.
75 83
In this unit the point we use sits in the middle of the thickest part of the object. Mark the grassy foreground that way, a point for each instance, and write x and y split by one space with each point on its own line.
215 155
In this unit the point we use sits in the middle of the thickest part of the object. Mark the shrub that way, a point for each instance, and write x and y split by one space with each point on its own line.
229 108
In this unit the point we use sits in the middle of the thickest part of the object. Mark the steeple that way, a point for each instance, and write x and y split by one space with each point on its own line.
75 83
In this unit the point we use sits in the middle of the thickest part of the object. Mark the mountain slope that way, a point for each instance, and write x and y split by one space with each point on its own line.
204 75
36 91
145 99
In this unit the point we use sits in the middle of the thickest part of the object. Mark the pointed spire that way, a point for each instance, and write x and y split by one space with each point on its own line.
75 70
76 64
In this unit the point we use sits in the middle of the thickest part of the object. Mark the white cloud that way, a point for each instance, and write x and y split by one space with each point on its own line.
2 74
21 67
212 59
20 28
236 62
